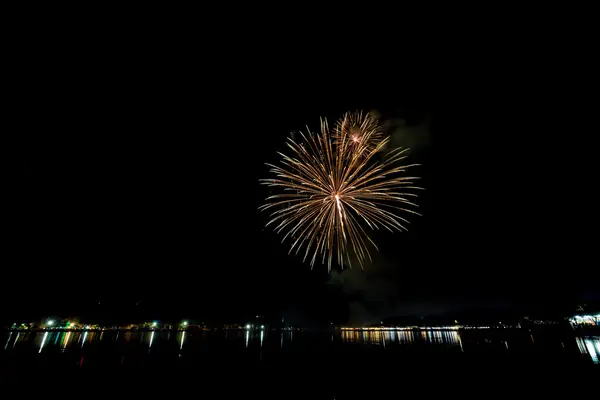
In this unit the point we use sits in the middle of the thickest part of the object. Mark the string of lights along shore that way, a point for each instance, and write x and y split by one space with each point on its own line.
335 186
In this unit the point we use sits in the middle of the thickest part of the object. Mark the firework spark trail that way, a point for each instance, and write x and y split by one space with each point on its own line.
329 188
356 131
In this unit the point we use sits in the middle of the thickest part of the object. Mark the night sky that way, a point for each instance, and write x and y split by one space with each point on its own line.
135 189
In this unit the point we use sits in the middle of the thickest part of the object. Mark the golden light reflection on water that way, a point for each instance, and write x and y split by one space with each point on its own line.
66 340
382 337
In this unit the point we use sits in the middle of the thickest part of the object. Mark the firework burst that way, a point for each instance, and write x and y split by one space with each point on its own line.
329 191
357 132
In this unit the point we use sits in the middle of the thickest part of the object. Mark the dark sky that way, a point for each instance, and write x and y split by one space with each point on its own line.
137 183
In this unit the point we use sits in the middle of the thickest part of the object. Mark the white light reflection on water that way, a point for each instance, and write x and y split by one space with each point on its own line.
7 340
16 339
43 341
151 340
182 339
591 346
247 337
84 337
262 334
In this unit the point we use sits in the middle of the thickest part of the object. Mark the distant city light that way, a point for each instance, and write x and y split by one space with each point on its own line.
262 327
154 323
248 326
72 324
50 322
184 323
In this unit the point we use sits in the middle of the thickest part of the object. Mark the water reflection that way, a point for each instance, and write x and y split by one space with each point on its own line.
381 337
261 341
151 340
16 339
182 340
8 340
590 346
66 340
43 342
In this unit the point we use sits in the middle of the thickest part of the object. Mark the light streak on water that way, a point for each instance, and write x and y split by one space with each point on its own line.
66 341
247 337
7 340
151 340
386 337
590 346
262 334
84 337
182 339
43 341
16 339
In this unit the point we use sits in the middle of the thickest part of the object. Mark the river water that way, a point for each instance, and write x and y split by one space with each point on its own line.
304 360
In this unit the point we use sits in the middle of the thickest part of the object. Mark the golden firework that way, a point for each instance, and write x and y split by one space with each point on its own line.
357 131
328 189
